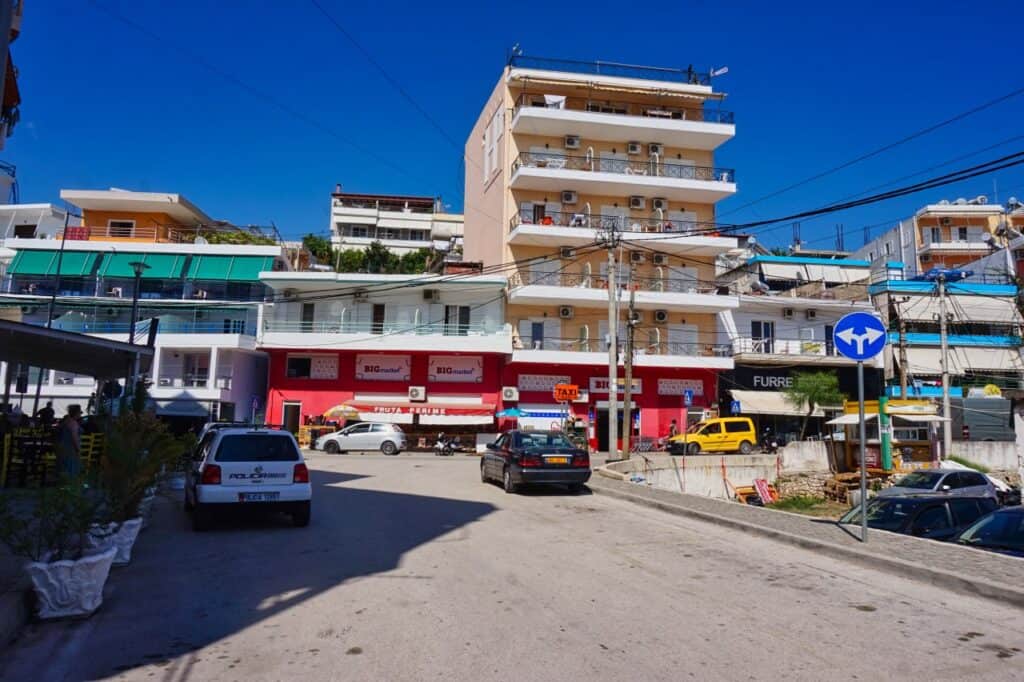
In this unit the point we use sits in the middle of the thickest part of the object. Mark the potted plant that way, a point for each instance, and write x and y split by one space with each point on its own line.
138 446
50 528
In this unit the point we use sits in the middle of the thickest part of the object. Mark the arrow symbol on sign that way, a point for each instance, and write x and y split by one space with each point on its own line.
870 336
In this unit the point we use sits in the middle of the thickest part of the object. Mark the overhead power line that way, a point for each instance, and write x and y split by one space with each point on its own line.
880 150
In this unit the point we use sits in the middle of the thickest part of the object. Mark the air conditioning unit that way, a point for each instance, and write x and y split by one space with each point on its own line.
583 397
27 309
659 203
565 252
656 148
570 197
811 314
660 259
637 202
633 147
289 293
565 312
572 141
431 295
360 295
116 292
417 394
661 316
945 221
636 256
638 316
787 313
926 258
509 393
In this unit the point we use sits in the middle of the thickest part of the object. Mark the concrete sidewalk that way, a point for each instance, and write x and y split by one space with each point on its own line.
953 567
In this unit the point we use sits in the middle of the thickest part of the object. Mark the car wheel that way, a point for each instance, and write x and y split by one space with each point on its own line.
201 518
483 474
331 447
300 517
693 449
577 488
189 505
745 447
388 448
507 483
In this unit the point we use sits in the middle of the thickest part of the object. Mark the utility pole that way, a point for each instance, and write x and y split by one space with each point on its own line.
903 347
613 347
947 426
627 390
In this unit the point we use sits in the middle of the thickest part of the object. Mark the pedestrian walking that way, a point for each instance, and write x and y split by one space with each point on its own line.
673 429
46 414
69 442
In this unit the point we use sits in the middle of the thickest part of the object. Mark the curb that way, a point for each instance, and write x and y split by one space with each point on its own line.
1004 594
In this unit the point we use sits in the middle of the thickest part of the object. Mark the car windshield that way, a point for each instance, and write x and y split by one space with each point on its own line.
543 440
257 447
696 427
920 480
884 514
1005 530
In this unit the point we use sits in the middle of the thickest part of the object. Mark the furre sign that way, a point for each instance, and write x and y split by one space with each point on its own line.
383 367
456 368
771 383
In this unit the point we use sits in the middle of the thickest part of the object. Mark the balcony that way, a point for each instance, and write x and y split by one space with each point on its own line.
787 351
431 336
609 121
613 69
591 291
595 352
577 229
93 326
589 174
979 247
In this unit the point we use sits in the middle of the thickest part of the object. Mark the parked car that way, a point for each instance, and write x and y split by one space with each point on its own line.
926 516
247 468
1001 531
388 438
956 482
724 434
525 457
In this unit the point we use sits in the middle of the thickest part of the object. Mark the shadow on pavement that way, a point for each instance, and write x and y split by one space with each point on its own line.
186 590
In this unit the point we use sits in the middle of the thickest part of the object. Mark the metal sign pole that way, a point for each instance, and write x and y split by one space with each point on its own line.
863 457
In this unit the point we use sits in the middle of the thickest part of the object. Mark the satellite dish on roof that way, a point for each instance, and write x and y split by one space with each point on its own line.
200 241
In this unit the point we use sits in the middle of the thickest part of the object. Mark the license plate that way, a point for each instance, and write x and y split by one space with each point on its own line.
556 460
258 497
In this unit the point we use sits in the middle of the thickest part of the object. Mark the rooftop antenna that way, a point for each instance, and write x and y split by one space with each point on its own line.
796 236
840 246
867 233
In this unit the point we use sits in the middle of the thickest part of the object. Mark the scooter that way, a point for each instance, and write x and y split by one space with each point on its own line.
445 447
769 443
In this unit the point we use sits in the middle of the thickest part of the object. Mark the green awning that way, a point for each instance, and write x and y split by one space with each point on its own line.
230 268
161 265
72 263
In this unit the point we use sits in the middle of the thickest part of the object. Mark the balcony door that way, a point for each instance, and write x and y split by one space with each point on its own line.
683 339
456 320
377 326
762 334
308 315
546 272
682 280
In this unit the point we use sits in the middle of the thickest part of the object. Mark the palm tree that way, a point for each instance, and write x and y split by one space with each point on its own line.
811 390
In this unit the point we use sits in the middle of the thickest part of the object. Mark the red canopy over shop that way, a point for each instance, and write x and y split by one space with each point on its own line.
429 413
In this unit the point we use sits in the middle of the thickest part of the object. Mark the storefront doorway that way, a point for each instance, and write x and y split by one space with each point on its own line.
602 426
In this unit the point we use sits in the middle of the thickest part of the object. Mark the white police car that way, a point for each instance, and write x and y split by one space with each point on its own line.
247 468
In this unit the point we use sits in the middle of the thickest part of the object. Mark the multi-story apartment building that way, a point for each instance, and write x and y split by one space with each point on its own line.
401 223
33 221
10 95
564 153
947 234
788 308
422 351
204 295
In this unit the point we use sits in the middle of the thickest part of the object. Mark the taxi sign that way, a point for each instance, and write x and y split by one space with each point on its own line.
565 393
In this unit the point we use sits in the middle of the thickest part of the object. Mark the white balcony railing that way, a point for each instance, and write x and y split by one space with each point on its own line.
387 328
776 346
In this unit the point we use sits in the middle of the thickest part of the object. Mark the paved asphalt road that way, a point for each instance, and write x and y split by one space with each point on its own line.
414 570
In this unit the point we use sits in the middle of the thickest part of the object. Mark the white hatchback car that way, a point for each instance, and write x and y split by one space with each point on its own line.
386 438
247 468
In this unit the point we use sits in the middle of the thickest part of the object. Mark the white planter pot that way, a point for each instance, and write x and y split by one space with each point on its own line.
71 588
122 540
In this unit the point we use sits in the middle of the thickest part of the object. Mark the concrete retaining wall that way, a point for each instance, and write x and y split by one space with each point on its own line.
992 454
804 455
700 475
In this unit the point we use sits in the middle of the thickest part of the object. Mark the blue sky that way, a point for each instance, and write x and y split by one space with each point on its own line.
812 85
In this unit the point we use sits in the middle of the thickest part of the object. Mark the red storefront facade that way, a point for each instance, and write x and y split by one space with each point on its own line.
659 396
452 389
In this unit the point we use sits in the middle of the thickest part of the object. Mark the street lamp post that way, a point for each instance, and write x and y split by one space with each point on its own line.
138 267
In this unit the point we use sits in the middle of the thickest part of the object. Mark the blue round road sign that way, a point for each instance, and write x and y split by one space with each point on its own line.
859 336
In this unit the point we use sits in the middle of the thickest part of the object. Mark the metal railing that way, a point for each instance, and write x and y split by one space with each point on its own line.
388 328
150 233
599 68
118 288
616 222
698 114
777 346
641 347
105 327
649 167
584 281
